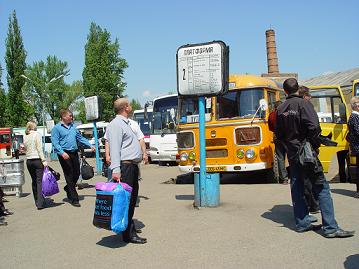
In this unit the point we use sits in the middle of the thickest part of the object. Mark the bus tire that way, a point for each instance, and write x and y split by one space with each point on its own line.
271 176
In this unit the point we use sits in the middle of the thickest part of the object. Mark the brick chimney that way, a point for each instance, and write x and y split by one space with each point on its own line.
272 58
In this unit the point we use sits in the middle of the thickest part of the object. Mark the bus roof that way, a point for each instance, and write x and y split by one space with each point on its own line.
252 81
165 96
142 110
99 124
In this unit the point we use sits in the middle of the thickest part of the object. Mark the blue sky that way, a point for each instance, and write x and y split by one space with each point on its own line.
312 38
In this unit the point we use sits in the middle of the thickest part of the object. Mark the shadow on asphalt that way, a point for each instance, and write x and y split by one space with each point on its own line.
352 262
139 224
185 197
115 240
84 186
112 241
344 192
282 214
50 203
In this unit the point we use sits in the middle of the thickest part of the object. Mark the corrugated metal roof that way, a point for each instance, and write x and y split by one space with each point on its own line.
343 78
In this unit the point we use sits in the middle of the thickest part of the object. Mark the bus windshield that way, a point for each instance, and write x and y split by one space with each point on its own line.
240 103
164 115
188 109
326 104
145 124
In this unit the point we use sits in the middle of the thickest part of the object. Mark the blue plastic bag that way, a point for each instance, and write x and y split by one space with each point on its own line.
112 203
49 183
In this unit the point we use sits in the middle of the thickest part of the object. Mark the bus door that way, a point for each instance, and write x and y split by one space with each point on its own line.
328 102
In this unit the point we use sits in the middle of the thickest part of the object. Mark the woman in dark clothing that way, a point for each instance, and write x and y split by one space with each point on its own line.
35 162
353 136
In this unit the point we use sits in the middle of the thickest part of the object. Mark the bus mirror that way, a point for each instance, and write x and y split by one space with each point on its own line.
342 113
263 104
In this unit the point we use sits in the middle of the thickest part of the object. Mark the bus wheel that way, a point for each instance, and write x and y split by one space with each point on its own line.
271 176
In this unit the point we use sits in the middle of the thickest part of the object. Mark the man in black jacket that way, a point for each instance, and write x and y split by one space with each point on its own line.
298 122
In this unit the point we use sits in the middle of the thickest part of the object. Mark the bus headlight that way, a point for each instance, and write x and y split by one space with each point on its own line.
240 153
183 157
250 154
192 156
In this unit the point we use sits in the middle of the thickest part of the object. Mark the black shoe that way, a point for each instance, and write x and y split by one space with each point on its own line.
340 234
135 240
75 204
6 212
4 200
3 222
312 227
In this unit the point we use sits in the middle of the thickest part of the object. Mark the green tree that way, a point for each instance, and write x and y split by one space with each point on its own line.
104 68
2 102
135 104
17 110
45 92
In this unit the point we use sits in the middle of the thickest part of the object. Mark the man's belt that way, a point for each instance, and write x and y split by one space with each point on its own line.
129 162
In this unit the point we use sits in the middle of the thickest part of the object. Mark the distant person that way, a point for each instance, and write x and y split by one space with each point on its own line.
126 154
297 122
312 202
280 150
64 137
16 147
35 162
3 211
353 137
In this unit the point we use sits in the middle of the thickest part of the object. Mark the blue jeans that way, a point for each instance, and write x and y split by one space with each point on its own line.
321 192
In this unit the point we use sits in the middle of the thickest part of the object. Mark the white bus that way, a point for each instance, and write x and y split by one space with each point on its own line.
86 131
145 123
163 143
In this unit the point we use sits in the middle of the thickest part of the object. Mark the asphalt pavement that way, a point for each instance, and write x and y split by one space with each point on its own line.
253 227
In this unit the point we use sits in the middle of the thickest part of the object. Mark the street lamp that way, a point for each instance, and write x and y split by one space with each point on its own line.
43 103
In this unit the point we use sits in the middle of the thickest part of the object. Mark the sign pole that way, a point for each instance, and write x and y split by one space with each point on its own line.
202 70
98 161
202 152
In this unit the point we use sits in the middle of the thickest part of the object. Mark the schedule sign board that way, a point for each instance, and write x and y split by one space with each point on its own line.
93 107
202 69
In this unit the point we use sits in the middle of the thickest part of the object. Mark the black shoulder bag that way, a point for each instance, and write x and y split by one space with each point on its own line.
87 171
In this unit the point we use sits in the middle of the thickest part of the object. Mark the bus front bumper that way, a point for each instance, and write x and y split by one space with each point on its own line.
232 168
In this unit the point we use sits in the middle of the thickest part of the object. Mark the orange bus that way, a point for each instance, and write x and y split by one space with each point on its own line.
237 135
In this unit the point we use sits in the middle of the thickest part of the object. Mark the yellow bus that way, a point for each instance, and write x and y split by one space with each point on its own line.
237 135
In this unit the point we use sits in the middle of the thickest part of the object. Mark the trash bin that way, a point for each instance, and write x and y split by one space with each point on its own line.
12 175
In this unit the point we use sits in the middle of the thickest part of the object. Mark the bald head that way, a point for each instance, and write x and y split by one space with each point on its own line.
122 105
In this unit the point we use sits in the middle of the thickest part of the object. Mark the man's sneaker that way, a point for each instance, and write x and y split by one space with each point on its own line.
340 234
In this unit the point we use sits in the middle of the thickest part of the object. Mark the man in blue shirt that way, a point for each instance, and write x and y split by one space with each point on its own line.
64 137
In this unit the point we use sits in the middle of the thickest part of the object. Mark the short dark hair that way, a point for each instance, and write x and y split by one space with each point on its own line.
64 111
303 91
290 85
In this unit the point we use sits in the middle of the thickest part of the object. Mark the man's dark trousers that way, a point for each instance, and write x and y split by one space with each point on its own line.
129 175
71 169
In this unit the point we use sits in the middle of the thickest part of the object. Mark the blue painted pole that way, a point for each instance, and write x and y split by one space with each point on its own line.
98 161
202 150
